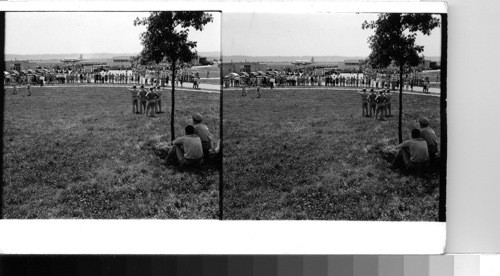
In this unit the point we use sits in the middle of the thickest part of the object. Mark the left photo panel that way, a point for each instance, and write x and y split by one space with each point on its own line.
111 115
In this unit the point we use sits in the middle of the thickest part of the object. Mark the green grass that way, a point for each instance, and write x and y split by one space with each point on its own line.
81 153
308 154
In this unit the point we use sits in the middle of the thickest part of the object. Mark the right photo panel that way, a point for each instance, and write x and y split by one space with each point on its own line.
334 116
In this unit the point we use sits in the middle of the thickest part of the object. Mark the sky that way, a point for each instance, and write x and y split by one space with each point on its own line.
320 34
88 32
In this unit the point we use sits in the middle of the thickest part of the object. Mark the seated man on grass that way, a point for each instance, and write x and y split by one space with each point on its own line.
412 154
186 150
428 134
202 131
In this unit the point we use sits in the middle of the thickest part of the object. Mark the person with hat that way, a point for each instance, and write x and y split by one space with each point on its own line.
428 134
135 99
187 150
142 99
364 102
413 153
372 102
202 131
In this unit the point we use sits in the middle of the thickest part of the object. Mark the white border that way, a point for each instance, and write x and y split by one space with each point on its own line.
222 237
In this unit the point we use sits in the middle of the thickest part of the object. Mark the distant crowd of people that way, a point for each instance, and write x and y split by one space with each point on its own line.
274 79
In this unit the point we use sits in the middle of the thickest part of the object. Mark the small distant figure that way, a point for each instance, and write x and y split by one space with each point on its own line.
14 88
202 131
364 102
208 73
243 90
258 91
135 99
381 101
428 134
187 150
142 99
413 154
181 80
151 97
372 103
29 89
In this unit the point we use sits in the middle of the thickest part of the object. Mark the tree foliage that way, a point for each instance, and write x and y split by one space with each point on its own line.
166 38
394 43
394 38
166 35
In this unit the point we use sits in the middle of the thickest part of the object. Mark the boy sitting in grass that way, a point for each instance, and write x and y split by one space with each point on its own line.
428 134
412 154
187 150
202 131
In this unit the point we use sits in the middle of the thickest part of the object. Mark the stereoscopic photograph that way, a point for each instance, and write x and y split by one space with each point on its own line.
111 115
334 116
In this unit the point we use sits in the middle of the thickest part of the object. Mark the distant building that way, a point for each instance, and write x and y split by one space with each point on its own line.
237 67
19 65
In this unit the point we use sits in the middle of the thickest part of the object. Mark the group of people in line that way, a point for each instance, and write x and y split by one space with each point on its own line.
419 152
194 148
274 79
146 101
376 105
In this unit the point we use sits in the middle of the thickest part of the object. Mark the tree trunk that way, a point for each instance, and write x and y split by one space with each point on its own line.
400 122
172 110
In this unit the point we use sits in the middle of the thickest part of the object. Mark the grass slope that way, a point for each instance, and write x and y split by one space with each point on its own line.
308 154
81 153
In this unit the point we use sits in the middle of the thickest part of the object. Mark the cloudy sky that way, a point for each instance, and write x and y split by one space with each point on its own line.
87 32
305 34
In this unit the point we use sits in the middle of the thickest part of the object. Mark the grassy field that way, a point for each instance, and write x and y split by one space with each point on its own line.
79 152
308 154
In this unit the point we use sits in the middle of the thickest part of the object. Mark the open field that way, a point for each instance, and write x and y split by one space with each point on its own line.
79 152
308 154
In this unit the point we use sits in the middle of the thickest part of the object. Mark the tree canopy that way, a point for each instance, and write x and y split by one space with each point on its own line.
166 35
394 38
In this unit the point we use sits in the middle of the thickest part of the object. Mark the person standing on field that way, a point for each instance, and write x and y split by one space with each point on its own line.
372 102
364 102
388 95
158 101
381 104
135 99
151 97
142 99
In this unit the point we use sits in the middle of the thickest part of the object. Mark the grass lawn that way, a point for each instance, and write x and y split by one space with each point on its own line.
79 152
308 154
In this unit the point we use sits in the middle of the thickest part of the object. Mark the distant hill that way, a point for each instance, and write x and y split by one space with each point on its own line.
210 55
241 58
